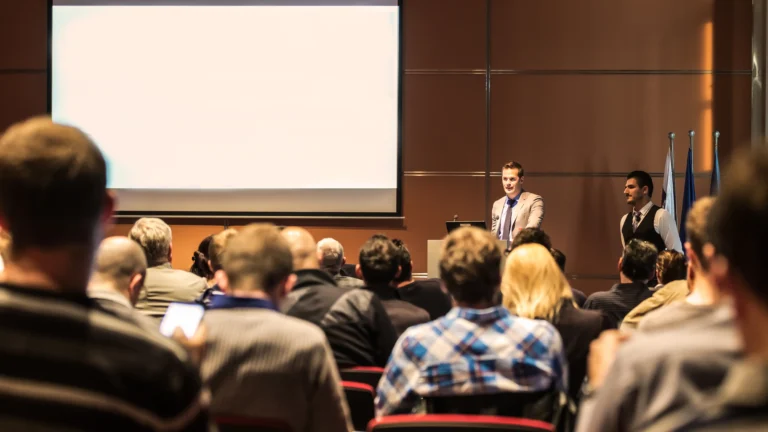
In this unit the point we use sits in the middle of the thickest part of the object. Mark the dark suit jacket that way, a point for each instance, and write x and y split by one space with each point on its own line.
578 328
402 313
427 295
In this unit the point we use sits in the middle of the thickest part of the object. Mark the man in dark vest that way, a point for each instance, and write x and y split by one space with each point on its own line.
647 221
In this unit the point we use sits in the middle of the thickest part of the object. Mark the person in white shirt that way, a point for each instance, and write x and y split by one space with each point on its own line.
647 221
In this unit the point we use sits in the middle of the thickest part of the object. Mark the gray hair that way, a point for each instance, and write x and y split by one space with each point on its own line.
331 255
154 237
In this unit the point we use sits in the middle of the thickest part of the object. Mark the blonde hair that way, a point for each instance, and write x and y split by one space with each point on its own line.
533 285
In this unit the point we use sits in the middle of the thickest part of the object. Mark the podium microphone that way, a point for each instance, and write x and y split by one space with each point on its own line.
455 217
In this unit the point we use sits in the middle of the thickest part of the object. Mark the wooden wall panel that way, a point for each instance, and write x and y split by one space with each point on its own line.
600 34
732 112
23 95
444 34
597 123
23 34
444 123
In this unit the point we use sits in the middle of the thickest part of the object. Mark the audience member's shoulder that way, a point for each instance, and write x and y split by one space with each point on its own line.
598 297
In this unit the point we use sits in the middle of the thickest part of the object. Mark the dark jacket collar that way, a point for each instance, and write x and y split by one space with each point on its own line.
384 291
312 277
232 302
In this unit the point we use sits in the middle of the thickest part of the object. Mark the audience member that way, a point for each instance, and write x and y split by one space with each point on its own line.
659 376
537 236
672 288
427 293
355 322
738 233
578 297
259 362
64 363
118 276
378 267
332 259
200 264
215 249
164 284
534 287
636 268
441 357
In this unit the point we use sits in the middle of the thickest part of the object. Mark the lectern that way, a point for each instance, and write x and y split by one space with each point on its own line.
433 256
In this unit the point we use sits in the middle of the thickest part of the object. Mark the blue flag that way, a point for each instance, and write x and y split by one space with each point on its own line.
714 186
689 194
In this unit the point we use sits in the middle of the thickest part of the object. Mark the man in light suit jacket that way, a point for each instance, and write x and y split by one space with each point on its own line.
518 209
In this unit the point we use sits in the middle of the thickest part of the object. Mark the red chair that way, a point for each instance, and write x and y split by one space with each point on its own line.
360 398
456 423
363 374
251 424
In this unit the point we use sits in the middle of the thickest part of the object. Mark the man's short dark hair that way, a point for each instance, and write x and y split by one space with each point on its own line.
531 235
514 165
643 179
470 265
379 260
671 266
404 260
737 224
559 257
639 260
53 182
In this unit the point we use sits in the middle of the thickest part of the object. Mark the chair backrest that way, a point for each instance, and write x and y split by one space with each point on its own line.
363 374
533 405
360 398
251 424
456 423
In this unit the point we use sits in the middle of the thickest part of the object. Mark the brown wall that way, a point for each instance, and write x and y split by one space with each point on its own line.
580 92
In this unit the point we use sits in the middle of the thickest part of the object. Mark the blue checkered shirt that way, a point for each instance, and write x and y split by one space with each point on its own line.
472 351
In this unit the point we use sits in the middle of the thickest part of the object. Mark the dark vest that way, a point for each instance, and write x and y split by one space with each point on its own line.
645 231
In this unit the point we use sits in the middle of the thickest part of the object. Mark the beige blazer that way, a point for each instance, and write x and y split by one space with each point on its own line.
529 212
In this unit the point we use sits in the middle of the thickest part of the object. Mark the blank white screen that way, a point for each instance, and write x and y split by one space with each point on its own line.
228 106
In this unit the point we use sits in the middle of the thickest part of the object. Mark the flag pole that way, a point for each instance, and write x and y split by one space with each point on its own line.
691 134
671 136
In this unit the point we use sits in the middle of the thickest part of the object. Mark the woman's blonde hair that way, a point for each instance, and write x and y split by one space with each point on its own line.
533 285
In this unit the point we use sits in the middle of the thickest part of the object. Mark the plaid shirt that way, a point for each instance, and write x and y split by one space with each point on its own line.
472 351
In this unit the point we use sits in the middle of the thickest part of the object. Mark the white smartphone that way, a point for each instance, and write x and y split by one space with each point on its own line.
186 316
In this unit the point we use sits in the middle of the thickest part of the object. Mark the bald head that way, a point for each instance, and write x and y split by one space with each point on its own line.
331 255
119 261
303 248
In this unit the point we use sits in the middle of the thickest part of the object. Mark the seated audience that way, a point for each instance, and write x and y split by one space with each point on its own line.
534 287
427 293
378 266
332 259
478 347
164 284
65 364
259 362
578 297
200 264
355 322
636 268
215 249
537 236
738 231
659 376
672 287
118 276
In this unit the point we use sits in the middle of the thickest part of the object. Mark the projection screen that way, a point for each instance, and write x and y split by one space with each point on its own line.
235 107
